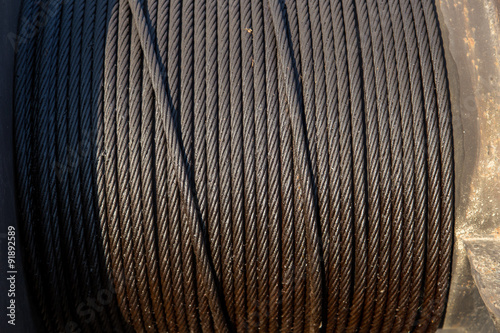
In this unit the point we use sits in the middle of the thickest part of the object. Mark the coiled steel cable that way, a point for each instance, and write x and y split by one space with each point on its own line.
214 166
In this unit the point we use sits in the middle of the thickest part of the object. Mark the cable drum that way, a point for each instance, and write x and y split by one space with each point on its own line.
215 166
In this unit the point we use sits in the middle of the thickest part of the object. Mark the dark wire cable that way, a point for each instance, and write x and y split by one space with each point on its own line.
216 166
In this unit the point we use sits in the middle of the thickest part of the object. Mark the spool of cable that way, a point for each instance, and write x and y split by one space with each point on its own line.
214 166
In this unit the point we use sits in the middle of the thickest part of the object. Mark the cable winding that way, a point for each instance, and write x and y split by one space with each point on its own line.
216 166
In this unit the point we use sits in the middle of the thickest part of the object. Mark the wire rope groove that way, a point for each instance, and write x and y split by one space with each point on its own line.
216 166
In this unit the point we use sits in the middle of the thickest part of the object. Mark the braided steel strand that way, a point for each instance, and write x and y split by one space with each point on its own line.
274 171
346 205
261 159
238 209
163 196
208 286
359 163
408 180
288 217
313 308
200 145
308 79
224 85
212 138
86 162
22 119
73 141
331 246
420 193
300 261
110 161
391 57
187 135
86 156
169 48
138 238
322 177
123 165
102 13
433 168
146 180
68 158
79 152
165 186
380 27
372 158
446 150
44 157
300 244
249 167
306 176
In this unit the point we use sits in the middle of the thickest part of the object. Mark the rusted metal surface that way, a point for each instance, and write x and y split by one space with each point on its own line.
484 258
471 31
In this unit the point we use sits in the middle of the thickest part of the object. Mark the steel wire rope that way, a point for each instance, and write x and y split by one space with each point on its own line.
215 166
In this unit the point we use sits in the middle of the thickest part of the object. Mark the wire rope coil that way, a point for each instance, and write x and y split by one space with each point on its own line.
215 166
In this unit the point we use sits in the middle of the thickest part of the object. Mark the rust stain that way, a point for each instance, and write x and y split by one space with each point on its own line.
496 233
471 43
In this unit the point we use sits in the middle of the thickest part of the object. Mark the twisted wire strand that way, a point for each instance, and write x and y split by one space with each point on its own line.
169 50
407 146
394 107
287 192
44 156
420 172
321 179
379 45
446 144
249 165
238 212
372 158
110 161
274 170
243 166
433 168
379 29
225 167
359 163
187 118
331 235
72 255
300 252
260 119
345 166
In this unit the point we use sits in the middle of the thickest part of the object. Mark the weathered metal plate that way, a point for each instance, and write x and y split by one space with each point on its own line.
471 33
484 258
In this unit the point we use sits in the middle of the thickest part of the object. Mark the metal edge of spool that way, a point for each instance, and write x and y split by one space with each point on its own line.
471 34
